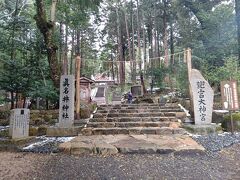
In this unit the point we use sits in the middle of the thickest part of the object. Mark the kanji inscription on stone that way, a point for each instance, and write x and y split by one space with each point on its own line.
19 123
66 101
202 94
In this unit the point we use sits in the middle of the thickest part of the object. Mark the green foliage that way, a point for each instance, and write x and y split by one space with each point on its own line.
14 77
226 124
181 78
235 116
4 133
33 131
158 75
226 72
45 91
4 114
42 130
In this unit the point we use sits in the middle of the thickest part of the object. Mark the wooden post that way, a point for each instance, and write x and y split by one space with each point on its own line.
188 56
78 67
231 121
185 56
189 62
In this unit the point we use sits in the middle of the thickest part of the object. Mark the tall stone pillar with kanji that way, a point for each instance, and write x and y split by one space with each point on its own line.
66 101
202 94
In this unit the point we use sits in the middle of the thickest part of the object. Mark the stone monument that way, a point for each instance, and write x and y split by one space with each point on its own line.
202 95
66 102
116 98
137 90
19 123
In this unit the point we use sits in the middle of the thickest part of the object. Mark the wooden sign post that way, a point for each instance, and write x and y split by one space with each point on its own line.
229 96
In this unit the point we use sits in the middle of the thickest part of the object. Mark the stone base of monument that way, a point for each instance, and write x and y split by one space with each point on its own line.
60 132
203 129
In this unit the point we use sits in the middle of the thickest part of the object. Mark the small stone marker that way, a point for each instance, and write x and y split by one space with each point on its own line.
202 94
19 123
66 102
229 95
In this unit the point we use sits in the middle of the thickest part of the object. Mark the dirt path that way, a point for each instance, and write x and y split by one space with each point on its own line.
222 165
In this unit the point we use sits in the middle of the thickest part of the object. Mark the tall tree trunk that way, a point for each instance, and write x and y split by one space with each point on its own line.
237 9
144 49
156 39
78 76
47 104
46 28
139 38
149 36
155 32
129 42
72 53
16 100
112 67
14 29
158 46
60 51
142 83
24 102
66 52
172 43
53 10
133 47
12 100
165 34
120 49
78 43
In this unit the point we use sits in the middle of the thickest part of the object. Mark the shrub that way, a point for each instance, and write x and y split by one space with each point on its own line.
42 130
5 114
4 122
52 121
4 133
33 131
227 122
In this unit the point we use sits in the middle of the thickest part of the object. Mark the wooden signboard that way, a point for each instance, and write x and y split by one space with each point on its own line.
229 95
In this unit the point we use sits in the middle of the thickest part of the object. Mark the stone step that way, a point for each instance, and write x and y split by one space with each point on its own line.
109 107
134 130
81 122
146 114
135 119
137 107
127 124
113 144
138 110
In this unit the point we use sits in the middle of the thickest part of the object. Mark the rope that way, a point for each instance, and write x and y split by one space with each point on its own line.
154 58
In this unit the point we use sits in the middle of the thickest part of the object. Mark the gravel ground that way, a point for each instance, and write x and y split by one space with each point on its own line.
216 142
211 142
222 165
2 128
45 144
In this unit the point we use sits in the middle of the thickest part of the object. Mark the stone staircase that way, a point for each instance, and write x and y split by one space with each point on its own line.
135 119
133 128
